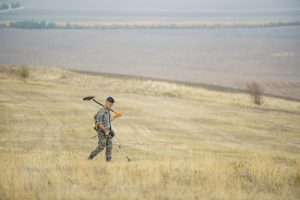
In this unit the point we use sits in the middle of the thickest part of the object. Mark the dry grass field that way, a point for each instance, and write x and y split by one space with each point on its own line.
185 142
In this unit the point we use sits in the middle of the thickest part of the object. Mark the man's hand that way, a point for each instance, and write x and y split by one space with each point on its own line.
106 133
118 114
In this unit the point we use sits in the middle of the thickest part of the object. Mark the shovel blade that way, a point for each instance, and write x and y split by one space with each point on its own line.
88 98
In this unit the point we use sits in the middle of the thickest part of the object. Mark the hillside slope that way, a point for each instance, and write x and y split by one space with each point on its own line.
184 142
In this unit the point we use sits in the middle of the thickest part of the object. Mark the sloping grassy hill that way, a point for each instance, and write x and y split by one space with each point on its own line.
185 142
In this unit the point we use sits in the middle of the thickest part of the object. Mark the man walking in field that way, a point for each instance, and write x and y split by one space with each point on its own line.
104 130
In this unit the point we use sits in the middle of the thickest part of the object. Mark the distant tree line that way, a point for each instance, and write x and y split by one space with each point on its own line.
37 24
31 24
6 6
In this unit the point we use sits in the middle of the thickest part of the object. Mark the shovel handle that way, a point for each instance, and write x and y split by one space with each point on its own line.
117 113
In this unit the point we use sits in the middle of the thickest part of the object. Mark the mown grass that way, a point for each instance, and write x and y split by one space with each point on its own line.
185 142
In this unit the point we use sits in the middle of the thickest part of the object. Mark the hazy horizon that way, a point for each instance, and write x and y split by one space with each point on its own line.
164 5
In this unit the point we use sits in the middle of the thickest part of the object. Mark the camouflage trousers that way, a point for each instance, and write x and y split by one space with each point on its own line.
102 143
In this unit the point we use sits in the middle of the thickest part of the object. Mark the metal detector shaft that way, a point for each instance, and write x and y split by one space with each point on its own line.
128 159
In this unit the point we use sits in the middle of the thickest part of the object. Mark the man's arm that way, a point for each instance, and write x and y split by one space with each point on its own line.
100 116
